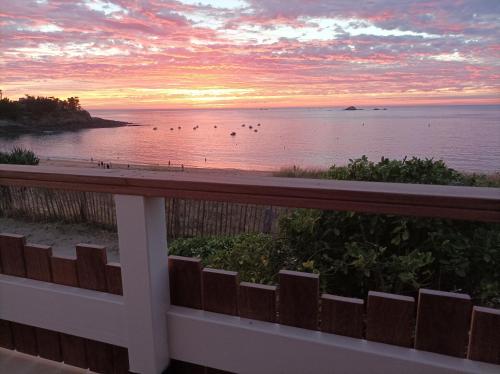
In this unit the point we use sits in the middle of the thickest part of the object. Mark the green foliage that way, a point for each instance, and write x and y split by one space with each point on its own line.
255 256
355 253
35 107
415 170
19 156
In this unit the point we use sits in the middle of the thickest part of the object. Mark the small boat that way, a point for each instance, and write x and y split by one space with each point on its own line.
233 133
250 127
171 129
155 128
215 126
243 125
258 124
255 130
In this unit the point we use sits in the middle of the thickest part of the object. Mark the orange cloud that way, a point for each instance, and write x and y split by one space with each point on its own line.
237 53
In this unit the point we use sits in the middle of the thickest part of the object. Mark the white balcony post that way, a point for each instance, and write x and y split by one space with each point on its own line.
143 256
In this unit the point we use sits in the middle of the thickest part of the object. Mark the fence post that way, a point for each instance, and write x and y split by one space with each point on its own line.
143 257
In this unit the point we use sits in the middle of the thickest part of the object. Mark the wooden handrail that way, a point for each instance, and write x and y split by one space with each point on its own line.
456 202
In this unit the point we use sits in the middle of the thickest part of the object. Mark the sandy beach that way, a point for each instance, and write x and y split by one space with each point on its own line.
153 167
62 237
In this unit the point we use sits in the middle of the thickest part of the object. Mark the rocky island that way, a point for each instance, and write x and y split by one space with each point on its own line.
352 108
47 114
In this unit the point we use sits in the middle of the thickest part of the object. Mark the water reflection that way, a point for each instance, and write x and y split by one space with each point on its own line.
468 138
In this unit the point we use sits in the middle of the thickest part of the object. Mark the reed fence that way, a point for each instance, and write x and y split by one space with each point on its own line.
185 217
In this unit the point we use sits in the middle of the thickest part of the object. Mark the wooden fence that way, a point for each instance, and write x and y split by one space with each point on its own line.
89 270
184 315
185 217
444 323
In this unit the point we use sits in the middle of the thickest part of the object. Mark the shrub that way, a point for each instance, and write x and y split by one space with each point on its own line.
255 256
19 156
355 253
414 170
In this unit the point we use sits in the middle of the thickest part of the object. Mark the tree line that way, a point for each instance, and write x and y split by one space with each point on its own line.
35 107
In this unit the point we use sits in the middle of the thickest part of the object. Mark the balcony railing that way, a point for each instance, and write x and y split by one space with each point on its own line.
213 324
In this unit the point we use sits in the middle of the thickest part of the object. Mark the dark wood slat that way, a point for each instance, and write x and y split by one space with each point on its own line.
181 367
220 291
12 254
91 267
37 259
257 301
114 278
216 371
120 360
342 315
73 351
298 299
484 343
185 281
72 347
64 271
390 318
24 338
6 338
443 320
49 345
99 356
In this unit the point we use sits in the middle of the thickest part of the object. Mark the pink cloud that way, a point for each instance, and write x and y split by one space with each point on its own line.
304 49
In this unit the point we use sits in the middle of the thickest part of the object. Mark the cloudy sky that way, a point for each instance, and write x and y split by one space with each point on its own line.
252 53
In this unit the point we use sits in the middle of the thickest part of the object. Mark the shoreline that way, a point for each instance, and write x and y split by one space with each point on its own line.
151 167
9 128
177 168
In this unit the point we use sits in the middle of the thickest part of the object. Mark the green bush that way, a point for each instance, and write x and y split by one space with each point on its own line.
415 170
356 253
19 156
255 256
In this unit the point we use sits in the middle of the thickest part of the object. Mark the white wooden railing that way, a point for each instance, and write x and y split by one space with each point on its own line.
155 331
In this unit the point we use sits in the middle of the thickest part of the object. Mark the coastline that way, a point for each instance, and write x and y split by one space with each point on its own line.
9 128
151 167
287 172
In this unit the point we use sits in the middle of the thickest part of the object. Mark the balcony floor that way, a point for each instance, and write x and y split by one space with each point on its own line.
13 362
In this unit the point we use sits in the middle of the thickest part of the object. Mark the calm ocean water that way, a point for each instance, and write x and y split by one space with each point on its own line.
466 137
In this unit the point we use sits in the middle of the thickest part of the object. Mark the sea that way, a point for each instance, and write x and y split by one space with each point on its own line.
467 138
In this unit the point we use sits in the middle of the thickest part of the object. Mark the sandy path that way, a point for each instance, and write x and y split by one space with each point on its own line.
62 237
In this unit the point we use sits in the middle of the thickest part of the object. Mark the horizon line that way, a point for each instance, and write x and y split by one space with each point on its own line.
342 108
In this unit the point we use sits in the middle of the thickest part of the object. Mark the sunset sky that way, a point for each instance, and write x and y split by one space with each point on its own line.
252 53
